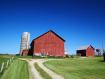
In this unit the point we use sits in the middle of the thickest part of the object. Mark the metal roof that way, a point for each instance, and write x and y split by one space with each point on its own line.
84 47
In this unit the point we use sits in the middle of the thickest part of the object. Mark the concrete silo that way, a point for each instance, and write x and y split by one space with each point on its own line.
25 42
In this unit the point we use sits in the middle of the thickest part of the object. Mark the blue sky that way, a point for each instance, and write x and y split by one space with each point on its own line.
79 22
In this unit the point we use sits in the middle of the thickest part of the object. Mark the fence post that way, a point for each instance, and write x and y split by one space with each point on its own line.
10 60
12 57
2 67
7 63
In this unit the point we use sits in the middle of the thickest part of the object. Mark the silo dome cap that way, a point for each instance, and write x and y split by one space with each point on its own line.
25 32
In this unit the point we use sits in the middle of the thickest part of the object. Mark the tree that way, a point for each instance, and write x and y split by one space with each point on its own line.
98 51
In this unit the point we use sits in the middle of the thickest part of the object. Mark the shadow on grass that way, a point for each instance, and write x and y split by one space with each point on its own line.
101 61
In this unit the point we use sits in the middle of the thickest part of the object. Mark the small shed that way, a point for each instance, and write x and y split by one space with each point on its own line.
87 51
25 52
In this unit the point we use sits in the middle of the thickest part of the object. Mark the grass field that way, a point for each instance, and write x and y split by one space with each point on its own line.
17 70
3 59
42 72
78 68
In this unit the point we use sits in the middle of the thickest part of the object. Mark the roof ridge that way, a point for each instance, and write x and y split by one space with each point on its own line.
84 47
52 32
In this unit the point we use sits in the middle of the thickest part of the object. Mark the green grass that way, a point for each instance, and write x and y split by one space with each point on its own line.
17 70
38 57
42 72
78 68
3 59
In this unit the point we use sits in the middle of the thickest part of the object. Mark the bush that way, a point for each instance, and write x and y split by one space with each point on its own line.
72 56
17 54
55 57
67 56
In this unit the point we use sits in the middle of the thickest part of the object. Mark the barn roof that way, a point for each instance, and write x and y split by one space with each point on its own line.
85 47
52 32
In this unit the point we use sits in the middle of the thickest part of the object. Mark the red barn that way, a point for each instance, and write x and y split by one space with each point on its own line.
49 43
87 51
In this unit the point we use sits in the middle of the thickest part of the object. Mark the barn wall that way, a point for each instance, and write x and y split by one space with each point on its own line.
49 44
90 52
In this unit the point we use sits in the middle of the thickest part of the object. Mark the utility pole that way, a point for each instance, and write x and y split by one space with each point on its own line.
102 47
103 50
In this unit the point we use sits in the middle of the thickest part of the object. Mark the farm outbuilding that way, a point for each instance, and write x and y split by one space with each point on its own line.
25 52
49 43
87 51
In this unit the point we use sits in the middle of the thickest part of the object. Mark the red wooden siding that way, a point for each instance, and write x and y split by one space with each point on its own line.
87 51
90 52
49 44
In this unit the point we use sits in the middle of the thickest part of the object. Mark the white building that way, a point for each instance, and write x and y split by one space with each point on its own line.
25 41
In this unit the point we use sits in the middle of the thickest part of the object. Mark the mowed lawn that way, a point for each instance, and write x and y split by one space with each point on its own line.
42 72
3 60
78 68
17 70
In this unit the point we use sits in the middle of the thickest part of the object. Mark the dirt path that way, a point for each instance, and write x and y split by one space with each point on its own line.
52 74
33 70
34 74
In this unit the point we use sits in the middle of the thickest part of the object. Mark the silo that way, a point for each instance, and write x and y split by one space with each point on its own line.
25 41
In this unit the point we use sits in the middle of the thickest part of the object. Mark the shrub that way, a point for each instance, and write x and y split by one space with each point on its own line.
67 56
55 57
72 56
